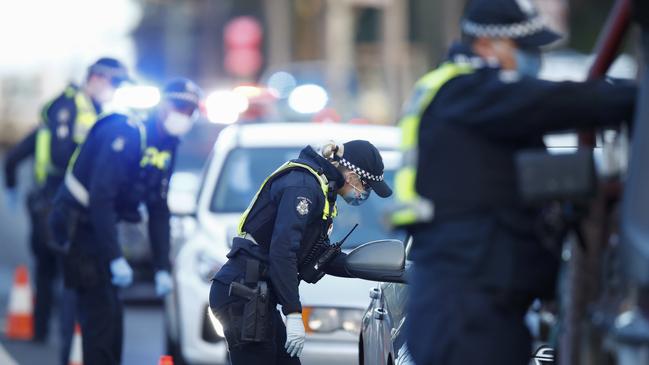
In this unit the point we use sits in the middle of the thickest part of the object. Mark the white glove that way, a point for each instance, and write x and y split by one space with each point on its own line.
163 283
294 334
122 272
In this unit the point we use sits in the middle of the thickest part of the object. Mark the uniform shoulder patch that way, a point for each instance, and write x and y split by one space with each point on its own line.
303 205
118 144
63 116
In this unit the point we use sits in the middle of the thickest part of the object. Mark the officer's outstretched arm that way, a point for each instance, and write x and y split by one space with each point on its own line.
337 266
297 208
109 172
538 107
18 153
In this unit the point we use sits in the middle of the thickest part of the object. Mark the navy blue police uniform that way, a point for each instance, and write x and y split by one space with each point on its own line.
65 121
479 263
124 163
282 230
109 180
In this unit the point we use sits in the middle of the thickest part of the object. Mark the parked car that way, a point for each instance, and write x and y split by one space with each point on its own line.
382 339
243 156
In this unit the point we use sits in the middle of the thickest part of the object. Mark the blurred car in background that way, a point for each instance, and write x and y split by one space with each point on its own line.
183 188
243 156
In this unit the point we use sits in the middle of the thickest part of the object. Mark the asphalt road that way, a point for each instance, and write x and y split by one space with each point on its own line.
143 343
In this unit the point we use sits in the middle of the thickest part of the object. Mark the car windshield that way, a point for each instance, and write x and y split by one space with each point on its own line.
245 169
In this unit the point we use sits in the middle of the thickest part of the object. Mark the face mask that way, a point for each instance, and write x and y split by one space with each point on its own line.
105 95
355 196
177 124
528 63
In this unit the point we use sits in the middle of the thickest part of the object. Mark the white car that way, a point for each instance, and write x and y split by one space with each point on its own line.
243 156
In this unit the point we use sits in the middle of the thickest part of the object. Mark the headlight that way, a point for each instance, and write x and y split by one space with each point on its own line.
206 265
216 324
325 320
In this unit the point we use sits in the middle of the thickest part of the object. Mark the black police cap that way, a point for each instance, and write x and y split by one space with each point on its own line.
182 90
364 159
514 19
111 68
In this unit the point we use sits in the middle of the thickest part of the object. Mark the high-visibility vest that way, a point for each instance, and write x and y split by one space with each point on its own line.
410 207
86 116
328 212
150 156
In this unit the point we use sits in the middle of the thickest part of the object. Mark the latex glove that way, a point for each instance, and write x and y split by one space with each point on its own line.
294 334
163 283
122 272
12 198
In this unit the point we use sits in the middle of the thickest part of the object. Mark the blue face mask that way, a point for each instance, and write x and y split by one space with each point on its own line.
528 63
355 196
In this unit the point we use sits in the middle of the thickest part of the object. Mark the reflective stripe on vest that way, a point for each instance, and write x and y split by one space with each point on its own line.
326 213
86 117
75 187
411 208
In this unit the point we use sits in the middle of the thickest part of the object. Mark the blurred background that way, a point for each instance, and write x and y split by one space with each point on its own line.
362 55
259 61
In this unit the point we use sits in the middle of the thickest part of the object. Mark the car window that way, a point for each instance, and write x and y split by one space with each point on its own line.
245 169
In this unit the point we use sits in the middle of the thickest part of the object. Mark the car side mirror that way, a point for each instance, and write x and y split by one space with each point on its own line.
382 260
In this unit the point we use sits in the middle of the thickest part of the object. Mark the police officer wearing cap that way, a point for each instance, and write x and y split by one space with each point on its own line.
478 262
124 162
65 122
282 235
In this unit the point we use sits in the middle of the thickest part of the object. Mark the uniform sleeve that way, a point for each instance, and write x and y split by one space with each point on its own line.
159 230
296 208
110 170
18 153
337 266
536 107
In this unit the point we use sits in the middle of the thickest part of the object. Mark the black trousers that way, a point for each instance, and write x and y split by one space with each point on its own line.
270 352
46 263
101 315
99 307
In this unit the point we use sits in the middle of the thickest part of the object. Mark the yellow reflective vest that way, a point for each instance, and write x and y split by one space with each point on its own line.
412 208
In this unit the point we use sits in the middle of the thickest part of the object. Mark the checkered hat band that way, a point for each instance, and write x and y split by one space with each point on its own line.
360 172
514 30
192 98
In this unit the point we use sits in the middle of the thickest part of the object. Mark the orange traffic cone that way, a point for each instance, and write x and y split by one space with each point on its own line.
20 320
76 352
166 360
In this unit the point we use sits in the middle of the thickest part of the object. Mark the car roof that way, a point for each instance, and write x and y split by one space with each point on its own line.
301 134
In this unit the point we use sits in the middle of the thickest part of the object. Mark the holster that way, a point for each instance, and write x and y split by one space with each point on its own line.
252 324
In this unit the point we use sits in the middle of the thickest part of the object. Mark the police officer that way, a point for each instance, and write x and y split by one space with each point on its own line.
123 163
478 262
282 235
65 121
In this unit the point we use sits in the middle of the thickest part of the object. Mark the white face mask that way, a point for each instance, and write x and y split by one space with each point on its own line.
105 95
177 124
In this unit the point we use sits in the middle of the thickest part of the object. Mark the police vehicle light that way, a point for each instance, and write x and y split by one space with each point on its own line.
308 99
137 97
225 106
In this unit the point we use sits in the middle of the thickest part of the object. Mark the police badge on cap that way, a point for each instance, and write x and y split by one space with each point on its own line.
514 19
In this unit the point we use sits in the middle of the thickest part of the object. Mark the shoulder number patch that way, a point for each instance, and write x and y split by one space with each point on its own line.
302 205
